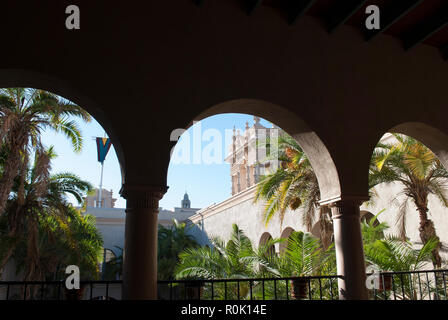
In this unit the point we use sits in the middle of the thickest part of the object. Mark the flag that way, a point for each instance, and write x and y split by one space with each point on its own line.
103 146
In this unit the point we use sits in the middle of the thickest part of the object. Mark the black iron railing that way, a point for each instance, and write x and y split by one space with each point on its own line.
56 290
405 285
411 285
309 288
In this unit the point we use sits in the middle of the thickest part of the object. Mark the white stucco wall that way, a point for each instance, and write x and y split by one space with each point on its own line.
217 220
110 222
389 198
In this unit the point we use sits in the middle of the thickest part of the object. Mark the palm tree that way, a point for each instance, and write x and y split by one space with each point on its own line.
293 185
373 230
36 196
83 244
395 254
420 173
171 242
303 256
72 241
223 261
392 253
234 259
24 114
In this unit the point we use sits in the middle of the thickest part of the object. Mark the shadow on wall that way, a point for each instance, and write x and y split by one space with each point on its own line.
197 231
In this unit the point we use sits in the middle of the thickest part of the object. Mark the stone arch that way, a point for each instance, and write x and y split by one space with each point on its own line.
10 78
285 235
320 158
265 237
367 216
434 136
430 136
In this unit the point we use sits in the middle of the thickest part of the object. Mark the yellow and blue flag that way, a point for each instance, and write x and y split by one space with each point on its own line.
103 146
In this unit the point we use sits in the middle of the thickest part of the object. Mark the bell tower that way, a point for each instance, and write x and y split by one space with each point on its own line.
186 203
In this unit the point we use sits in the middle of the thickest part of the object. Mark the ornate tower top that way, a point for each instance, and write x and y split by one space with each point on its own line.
186 203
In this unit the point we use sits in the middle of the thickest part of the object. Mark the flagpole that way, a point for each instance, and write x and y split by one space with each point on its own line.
100 200
101 158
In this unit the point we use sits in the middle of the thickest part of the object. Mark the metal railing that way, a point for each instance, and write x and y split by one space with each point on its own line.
405 285
56 290
291 288
411 285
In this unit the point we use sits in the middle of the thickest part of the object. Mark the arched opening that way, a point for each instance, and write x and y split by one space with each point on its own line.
21 78
310 142
202 174
368 216
264 239
285 235
320 159
408 181
59 177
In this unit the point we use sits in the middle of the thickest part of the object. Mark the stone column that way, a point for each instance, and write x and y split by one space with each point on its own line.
349 247
140 245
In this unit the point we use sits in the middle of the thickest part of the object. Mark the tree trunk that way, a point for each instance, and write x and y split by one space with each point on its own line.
10 171
326 227
427 232
8 255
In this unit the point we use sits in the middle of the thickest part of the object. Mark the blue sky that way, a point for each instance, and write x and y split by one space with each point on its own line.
205 183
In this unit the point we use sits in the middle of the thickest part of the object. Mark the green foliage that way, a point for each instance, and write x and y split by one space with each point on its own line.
171 242
237 259
234 259
393 254
223 261
293 185
83 244
302 257
114 267
373 230
420 174
24 114
43 232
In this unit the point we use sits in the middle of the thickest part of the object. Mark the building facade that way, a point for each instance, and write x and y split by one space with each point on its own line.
110 221
241 208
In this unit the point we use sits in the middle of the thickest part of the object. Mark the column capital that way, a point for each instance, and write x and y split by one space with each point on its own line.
354 199
142 196
345 206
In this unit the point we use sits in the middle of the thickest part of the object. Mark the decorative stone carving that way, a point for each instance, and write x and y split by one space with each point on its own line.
346 207
142 197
